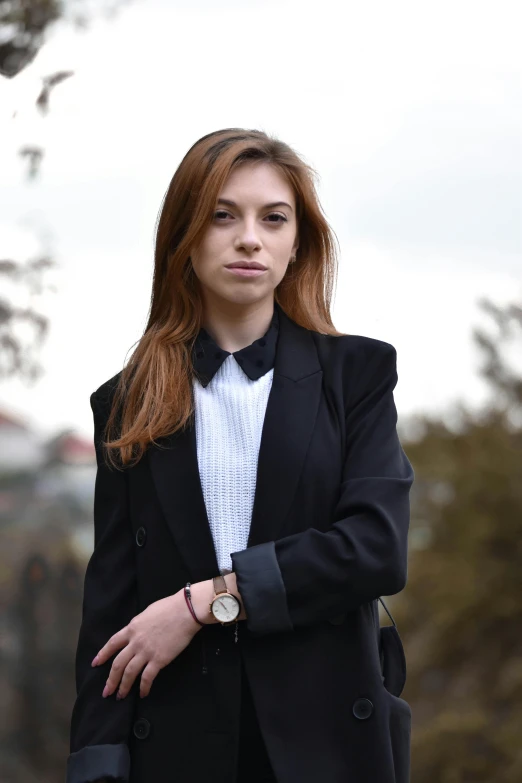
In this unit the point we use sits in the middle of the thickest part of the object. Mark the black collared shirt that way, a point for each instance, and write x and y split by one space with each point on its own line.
255 359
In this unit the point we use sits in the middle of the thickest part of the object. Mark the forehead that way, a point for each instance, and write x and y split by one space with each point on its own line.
257 179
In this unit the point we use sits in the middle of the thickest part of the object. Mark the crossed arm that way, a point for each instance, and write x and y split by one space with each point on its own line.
156 636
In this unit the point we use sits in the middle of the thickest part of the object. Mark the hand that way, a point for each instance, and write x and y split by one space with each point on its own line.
152 640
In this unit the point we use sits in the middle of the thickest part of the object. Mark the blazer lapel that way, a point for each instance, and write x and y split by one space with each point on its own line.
290 417
287 428
175 473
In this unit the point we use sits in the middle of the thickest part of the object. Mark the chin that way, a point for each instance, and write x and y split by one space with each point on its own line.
245 297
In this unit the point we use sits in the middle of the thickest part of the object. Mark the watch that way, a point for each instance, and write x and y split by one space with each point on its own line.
225 606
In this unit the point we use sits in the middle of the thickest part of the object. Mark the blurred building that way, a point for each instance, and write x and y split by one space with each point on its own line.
47 483
20 448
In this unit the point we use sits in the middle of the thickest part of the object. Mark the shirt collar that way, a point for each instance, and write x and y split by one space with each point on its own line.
255 359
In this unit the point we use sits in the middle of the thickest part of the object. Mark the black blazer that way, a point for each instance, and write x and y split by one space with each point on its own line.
328 537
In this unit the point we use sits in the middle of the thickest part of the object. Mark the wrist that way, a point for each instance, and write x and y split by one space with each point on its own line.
202 594
185 614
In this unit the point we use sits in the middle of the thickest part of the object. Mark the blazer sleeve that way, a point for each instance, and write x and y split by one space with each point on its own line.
100 726
313 575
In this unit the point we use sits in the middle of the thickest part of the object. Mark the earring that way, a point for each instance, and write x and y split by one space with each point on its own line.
292 259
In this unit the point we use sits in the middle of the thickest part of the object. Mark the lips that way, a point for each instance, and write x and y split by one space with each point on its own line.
245 265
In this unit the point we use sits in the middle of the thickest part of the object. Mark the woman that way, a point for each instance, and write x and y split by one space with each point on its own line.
251 506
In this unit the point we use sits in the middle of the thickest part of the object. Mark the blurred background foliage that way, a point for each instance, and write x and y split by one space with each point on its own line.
24 27
460 616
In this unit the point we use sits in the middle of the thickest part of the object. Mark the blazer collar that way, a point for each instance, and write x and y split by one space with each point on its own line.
255 359
289 420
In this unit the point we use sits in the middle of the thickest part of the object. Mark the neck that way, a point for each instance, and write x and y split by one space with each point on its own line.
234 326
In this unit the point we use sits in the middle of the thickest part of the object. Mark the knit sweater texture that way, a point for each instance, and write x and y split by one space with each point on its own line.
229 416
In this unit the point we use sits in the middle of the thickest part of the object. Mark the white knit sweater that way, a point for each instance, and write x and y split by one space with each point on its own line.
229 415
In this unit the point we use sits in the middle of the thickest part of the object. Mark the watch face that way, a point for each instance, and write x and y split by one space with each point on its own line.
225 608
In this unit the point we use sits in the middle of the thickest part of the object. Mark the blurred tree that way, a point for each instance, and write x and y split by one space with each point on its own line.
461 614
28 725
17 356
25 24
24 27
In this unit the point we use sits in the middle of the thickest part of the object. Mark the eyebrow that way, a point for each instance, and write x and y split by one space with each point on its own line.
272 204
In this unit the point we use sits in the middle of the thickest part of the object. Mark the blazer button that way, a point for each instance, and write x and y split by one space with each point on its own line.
362 708
141 535
141 728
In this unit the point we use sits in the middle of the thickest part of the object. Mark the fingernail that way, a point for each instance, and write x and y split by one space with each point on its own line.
95 661
119 696
105 691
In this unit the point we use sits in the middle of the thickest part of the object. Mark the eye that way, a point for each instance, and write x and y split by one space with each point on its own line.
221 214
274 217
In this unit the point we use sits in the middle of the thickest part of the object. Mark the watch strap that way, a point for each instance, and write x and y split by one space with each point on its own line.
220 586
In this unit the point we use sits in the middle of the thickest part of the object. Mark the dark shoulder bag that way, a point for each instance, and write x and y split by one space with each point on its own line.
393 660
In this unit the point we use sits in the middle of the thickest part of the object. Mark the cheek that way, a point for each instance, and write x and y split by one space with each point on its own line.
207 253
282 243
281 252
279 269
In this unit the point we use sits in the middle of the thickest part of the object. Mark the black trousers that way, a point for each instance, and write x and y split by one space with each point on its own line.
253 763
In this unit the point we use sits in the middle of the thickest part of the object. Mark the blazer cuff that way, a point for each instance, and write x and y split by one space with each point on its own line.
99 761
260 583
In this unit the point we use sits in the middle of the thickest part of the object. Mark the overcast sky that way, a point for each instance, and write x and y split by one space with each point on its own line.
410 112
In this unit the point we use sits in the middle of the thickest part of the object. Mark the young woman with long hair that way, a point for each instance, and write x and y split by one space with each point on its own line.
251 505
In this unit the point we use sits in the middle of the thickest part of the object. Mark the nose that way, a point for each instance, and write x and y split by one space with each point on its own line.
247 237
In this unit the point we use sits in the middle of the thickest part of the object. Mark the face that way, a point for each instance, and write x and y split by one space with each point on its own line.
254 221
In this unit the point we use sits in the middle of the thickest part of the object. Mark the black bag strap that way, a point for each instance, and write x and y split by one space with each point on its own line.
388 612
392 658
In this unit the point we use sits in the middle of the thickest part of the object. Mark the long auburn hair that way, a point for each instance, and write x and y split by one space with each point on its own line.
153 395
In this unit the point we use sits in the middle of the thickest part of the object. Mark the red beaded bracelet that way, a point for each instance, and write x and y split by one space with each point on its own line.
188 601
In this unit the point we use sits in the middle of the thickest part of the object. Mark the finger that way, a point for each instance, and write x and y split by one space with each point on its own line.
115 643
147 678
117 669
132 670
